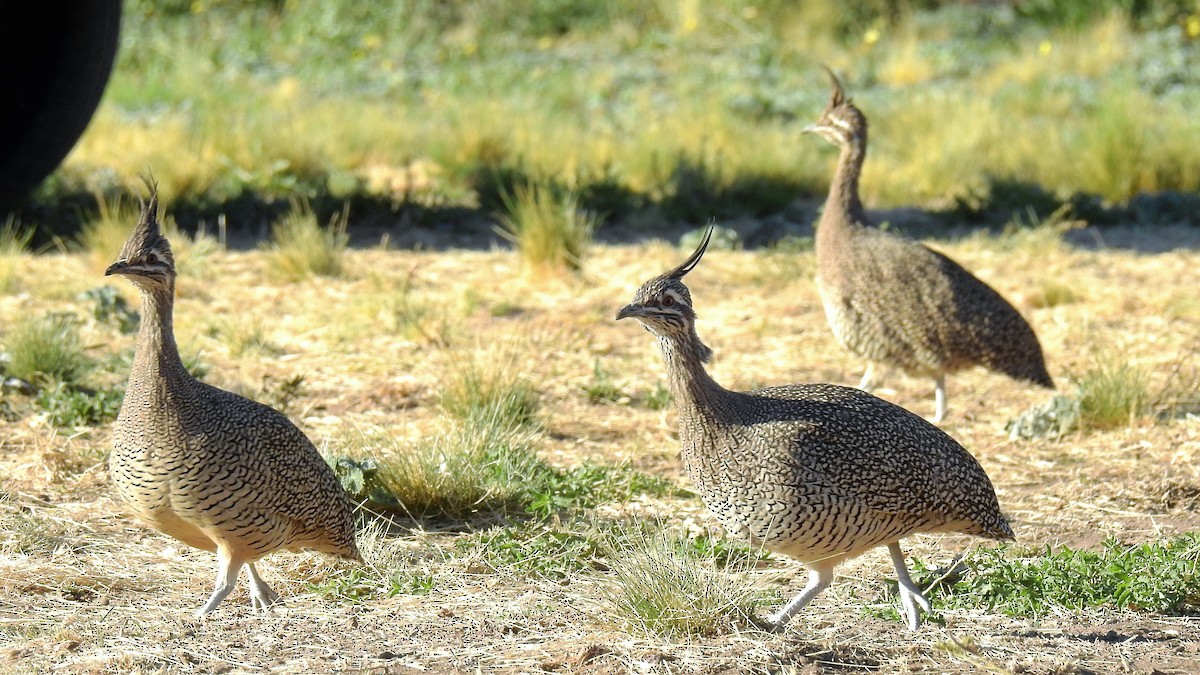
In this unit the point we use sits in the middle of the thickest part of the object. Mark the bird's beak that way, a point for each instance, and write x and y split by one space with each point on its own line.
628 311
116 268
810 129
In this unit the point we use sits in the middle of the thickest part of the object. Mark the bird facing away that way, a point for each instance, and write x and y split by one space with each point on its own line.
213 469
818 472
898 303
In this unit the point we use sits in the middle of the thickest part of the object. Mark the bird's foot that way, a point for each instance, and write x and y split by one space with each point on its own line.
264 600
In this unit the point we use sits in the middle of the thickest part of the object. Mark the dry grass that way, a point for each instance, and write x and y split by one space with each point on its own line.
85 589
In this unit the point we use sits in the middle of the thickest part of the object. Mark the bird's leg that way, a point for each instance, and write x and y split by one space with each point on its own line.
227 573
261 595
819 577
910 595
868 379
939 397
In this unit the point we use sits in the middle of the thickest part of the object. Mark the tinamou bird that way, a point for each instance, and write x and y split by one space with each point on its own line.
818 472
898 303
212 469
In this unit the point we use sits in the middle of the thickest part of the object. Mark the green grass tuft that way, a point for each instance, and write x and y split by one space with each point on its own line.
549 229
1113 393
46 350
301 249
482 467
489 392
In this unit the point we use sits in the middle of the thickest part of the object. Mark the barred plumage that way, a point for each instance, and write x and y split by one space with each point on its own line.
898 303
819 472
213 469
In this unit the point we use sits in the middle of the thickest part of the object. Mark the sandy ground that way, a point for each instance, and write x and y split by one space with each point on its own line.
85 589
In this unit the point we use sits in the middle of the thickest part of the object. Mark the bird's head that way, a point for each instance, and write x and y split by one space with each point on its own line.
841 123
146 258
663 304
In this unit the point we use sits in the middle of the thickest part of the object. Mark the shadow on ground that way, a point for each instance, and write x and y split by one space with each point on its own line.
763 211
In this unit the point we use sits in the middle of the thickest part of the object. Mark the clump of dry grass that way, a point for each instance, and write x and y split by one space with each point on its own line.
474 468
14 244
550 230
104 236
1050 292
660 586
301 249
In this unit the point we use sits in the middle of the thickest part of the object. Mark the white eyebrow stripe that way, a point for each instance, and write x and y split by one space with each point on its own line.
839 122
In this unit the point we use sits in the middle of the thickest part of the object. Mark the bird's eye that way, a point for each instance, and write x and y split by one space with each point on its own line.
668 300
152 258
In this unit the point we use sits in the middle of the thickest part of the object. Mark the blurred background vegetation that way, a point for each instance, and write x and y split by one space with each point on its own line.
643 112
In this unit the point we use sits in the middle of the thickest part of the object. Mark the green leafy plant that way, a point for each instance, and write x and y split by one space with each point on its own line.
71 408
109 306
1160 577
535 549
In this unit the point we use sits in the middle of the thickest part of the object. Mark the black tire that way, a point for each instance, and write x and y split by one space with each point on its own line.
58 55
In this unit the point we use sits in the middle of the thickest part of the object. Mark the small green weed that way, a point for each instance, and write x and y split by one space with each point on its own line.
590 485
535 549
602 389
550 230
301 249
361 480
47 349
1161 577
658 398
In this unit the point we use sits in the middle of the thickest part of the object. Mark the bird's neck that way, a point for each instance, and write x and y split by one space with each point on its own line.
156 356
696 394
843 208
